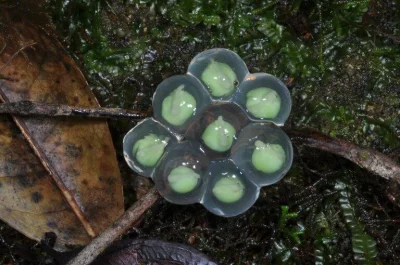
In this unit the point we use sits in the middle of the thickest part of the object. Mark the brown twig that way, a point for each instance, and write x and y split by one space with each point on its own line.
97 246
388 35
367 158
28 108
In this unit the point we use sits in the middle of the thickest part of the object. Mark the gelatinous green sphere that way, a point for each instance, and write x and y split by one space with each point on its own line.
220 78
268 158
178 106
219 135
149 149
228 189
183 179
263 103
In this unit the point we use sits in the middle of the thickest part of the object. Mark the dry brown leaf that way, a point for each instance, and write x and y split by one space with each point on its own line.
63 176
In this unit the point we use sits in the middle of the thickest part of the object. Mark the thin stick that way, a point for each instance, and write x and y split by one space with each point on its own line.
28 108
367 158
100 243
390 36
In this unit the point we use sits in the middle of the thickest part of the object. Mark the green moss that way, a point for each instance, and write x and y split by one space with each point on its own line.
363 245
340 61
316 43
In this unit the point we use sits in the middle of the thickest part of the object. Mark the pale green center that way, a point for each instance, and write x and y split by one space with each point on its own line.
219 78
268 158
178 106
263 103
149 149
228 189
183 179
219 135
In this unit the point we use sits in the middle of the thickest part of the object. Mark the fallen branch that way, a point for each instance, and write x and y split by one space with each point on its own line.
102 241
28 108
388 35
367 158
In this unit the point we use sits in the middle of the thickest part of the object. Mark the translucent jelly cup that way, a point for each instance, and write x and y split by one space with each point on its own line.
230 113
220 70
222 198
173 101
274 142
151 129
249 93
188 155
214 138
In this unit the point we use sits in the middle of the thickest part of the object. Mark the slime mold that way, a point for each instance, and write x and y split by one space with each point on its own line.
215 136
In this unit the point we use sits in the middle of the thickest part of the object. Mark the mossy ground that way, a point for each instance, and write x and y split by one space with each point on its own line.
340 61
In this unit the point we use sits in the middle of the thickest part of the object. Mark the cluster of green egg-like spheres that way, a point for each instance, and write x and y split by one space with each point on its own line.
214 138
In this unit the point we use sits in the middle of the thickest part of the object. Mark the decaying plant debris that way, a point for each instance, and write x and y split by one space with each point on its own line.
339 60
